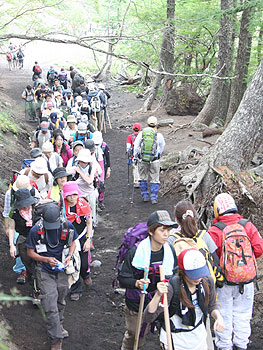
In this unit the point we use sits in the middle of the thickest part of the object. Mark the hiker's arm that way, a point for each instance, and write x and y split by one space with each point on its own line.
161 143
46 259
86 246
12 248
219 325
137 143
70 253
9 225
89 179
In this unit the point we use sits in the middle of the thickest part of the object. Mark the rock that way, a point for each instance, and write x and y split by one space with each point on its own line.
183 100
120 291
96 263
165 122
170 160
199 127
8 104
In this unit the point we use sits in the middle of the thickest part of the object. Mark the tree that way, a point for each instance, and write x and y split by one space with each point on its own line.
235 147
217 101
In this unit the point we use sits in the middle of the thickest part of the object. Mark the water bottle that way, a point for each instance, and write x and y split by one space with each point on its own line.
60 267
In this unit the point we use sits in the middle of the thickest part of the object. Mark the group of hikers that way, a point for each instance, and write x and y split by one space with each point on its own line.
175 275
15 56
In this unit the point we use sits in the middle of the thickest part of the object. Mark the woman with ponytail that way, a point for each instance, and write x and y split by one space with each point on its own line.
191 296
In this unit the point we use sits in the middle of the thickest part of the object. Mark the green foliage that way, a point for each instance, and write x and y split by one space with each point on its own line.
6 124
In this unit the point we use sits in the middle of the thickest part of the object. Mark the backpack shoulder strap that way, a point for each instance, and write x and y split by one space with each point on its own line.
175 283
175 268
220 225
200 234
46 178
26 172
243 222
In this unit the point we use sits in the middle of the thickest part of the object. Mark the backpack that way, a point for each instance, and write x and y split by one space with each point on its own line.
20 55
45 175
95 103
9 56
37 69
148 145
27 163
52 76
237 259
197 242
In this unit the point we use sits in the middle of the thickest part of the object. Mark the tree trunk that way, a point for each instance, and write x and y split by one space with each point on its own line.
236 146
217 101
260 43
241 64
166 59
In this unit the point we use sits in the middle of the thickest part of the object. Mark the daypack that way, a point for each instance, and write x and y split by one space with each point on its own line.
148 145
37 69
62 77
95 103
9 56
52 76
27 163
20 55
237 259
197 242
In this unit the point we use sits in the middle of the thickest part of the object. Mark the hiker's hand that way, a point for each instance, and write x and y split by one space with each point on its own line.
219 324
12 251
108 173
52 261
86 246
162 287
67 260
135 161
140 283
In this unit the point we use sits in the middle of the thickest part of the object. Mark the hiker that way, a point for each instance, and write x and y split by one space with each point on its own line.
151 252
40 95
39 173
78 102
77 146
30 106
20 56
82 90
9 58
60 178
22 181
70 129
35 153
72 73
62 148
56 120
79 214
36 71
52 74
191 296
102 154
52 158
148 148
23 218
47 249
83 133
107 96
130 149
85 109
236 297
96 101
57 86
41 136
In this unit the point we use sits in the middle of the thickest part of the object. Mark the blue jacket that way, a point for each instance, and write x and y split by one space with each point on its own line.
95 93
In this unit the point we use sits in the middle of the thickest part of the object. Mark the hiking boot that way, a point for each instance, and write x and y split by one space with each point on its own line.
154 201
65 333
57 345
88 282
101 205
146 199
75 296
21 279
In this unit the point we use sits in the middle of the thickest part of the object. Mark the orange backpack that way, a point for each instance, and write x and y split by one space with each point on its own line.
237 259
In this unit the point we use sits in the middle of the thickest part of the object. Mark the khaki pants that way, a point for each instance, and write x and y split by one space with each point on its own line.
129 335
135 172
150 171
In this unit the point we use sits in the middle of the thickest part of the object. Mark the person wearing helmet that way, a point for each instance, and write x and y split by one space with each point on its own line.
235 299
129 149
148 148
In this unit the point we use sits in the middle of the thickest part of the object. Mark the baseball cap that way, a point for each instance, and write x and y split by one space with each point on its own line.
152 121
82 127
51 217
35 152
161 217
136 127
193 263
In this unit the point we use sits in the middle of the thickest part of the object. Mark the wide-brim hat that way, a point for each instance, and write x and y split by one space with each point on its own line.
71 119
70 188
77 143
39 166
60 172
51 217
22 181
193 263
161 217
84 156
23 199
35 152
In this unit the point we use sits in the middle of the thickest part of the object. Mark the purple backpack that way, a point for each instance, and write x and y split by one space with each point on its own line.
132 237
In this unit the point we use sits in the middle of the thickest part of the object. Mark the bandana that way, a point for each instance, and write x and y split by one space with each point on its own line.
27 215
82 208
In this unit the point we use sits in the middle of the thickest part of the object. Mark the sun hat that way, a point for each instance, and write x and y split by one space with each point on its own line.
22 181
39 166
44 126
71 119
84 156
23 198
51 217
152 121
49 104
82 127
47 147
35 152
101 86
78 99
136 127
77 143
89 144
60 172
56 93
193 263
161 217
97 138
85 103
70 188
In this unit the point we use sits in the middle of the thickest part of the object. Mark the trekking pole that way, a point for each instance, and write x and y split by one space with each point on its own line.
139 317
166 312
108 118
104 125
128 170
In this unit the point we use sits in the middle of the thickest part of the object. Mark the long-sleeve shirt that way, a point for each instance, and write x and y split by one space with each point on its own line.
160 144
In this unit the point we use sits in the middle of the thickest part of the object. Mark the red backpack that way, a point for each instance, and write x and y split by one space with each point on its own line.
9 56
37 69
237 259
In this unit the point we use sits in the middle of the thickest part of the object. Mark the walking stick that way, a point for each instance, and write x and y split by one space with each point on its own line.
104 125
108 117
128 162
139 318
166 312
